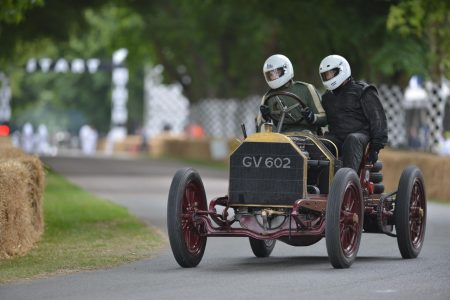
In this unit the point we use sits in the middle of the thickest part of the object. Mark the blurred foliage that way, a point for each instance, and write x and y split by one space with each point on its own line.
54 99
12 11
213 48
428 21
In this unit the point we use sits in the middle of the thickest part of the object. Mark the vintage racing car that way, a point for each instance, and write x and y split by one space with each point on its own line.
291 187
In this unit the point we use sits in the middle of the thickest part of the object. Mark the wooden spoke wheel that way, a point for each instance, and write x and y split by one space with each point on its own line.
186 195
344 218
410 212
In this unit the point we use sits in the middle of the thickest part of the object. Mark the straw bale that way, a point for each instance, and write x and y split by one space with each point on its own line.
10 153
5 142
35 189
164 144
17 234
21 207
435 169
179 146
446 178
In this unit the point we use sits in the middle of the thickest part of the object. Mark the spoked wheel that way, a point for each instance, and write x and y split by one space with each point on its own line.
262 248
186 194
410 212
344 218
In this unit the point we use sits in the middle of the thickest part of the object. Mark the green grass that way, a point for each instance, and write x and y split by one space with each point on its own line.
82 232
442 201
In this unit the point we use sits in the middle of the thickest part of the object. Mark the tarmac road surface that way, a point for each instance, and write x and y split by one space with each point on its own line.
228 269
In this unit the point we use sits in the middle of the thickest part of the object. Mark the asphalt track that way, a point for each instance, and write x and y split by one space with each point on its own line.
229 270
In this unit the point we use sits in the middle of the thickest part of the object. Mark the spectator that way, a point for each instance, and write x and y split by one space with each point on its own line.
27 138
88 139
41 140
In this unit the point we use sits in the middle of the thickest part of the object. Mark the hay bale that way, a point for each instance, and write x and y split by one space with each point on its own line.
10 153
35 190
5 142
21 207
163 144
182 147
434 168
17 234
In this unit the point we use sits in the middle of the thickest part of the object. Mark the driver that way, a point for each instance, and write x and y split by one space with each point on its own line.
354 112
278 72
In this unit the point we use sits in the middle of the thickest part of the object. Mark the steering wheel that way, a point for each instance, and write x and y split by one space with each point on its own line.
284 111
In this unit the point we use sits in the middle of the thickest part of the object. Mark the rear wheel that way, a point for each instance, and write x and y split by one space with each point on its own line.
410 212
344 218
262 248
186 194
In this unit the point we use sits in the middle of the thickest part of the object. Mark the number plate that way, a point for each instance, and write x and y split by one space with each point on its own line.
266 162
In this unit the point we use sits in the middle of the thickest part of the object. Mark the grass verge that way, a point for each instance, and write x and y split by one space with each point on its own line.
442 201
82 232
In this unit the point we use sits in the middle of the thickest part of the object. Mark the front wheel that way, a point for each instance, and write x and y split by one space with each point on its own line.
186 195
344 218
410 212
262 248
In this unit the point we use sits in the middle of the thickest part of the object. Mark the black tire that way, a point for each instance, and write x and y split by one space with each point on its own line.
377 167
378 188
410 212
262 248
376 177
344 218
186 191
300 240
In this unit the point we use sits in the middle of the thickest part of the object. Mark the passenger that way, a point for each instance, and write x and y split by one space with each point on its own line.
354 113
27 141
279 74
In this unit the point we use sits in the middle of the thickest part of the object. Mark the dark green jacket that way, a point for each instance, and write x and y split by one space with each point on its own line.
295 122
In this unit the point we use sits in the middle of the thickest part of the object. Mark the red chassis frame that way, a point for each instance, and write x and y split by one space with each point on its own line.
295 226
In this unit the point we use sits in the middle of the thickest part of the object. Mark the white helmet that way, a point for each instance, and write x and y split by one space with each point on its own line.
278 71
334 70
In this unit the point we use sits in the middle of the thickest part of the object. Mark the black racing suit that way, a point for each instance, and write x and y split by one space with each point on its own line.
355 117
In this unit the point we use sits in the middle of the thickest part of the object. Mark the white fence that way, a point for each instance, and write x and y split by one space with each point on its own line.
223 118
416 123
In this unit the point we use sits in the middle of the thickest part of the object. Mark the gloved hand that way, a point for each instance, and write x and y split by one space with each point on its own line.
265 112
308 114
373 152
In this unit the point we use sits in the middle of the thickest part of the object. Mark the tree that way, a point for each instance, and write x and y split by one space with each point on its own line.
215 49
12 12
428 21
222 45
212 48
85 96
